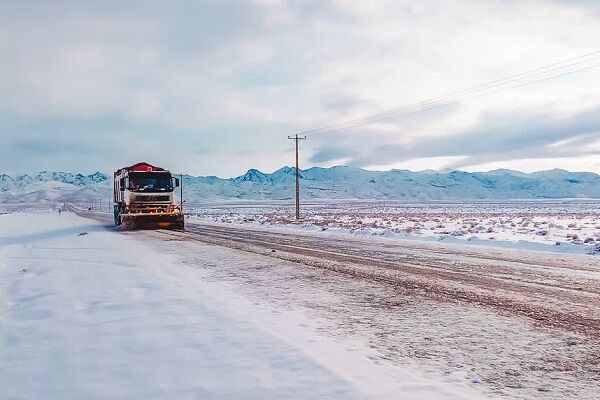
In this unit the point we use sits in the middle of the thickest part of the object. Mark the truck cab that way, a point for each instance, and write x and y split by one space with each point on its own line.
145 193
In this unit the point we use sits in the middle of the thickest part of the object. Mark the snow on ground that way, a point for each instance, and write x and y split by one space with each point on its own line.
88 312
568 226
501 355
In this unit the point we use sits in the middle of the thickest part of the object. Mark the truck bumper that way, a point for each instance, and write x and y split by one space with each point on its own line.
145 220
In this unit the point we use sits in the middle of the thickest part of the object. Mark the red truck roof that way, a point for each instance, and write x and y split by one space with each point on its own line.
141 167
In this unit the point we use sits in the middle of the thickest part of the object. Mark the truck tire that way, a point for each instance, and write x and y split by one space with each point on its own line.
117 214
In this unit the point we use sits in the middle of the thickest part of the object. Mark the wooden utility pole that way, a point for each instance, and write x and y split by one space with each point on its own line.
297 139
181 193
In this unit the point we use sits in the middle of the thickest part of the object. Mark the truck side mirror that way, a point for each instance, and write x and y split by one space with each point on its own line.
176 182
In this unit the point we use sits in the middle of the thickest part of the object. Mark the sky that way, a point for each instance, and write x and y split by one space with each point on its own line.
216 87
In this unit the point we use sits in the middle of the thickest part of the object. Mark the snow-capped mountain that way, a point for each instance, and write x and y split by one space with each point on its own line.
324 183
53 186
355 183
45 176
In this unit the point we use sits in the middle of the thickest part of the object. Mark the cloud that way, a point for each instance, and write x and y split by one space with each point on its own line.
330 153
342 104
197 84
510 136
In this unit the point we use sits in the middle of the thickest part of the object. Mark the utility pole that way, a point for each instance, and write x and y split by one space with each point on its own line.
297 139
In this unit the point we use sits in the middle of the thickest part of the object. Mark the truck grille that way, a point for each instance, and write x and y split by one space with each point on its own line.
150 208
151 198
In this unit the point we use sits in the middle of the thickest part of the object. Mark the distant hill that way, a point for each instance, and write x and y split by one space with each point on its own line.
325 183
54 187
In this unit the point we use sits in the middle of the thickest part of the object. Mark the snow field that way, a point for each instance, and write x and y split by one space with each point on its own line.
572 227
499 355
92 313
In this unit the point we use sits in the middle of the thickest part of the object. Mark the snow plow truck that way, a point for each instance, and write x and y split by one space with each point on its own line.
144 198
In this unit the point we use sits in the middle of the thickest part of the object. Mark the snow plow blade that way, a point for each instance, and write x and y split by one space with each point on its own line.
173 220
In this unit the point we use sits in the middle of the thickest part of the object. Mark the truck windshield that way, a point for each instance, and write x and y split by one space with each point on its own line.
150 182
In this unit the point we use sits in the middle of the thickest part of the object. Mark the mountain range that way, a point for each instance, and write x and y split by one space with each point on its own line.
339 182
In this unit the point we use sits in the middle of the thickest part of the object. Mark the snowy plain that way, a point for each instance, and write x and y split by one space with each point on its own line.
89 312
562 225
555 210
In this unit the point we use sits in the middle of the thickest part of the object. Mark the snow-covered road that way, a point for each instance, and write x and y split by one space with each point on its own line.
90 313
514 324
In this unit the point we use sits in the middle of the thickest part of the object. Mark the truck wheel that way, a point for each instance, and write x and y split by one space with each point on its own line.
117 215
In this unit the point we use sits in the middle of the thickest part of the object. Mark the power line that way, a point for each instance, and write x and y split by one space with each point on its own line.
452 102
433 103
489 85
483 87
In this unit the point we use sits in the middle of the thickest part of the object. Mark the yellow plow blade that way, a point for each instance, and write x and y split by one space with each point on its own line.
170 220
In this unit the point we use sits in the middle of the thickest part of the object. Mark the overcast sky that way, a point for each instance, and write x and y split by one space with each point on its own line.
215 87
